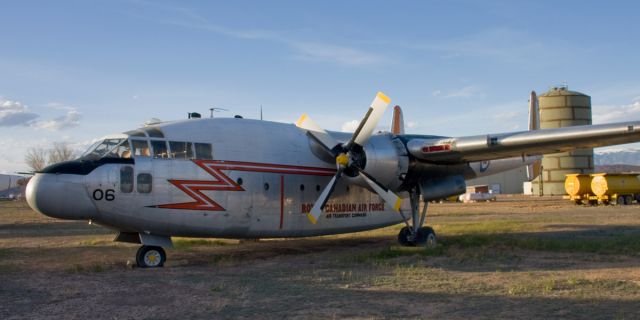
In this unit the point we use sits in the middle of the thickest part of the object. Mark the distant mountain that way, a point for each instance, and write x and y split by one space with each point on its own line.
617 168
617 157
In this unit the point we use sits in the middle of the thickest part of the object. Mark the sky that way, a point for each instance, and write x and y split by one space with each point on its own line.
73 71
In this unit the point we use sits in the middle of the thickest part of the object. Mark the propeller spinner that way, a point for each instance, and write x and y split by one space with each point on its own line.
349 156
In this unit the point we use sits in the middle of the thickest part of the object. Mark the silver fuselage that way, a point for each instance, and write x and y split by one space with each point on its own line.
262 179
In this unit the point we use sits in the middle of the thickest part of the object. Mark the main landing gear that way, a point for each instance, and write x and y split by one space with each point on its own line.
415 234
150 257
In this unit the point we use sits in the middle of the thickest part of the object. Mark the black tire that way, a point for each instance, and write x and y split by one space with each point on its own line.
150 257
628 200
426 237
403 237
620 200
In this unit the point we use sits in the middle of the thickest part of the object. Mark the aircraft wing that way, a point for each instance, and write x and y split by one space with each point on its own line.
524 143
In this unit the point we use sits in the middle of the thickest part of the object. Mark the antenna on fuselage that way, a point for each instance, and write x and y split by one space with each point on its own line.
216 110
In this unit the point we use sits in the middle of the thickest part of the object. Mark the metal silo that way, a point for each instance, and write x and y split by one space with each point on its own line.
560 107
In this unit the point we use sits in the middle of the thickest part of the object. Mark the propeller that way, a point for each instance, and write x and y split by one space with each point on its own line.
350 156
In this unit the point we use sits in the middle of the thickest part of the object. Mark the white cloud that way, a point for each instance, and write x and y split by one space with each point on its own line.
70 120
302 50
308 51
436 93
465 92
606 114
350 126
506 45
14 113
411 124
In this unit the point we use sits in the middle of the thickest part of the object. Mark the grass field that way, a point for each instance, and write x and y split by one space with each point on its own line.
518 257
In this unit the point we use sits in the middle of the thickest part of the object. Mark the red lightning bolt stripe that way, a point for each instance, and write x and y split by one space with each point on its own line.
222 182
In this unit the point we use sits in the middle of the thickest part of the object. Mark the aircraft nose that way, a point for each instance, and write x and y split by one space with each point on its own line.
60 196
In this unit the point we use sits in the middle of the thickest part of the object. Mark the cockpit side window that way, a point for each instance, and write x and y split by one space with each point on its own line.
140 148
181 150
123 150
154 132
160 149
110 148
203 151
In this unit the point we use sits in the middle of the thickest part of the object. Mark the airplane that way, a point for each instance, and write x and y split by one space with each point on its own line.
242 178
11 181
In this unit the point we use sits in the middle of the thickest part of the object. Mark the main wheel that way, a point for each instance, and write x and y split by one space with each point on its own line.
150 257
426 237
628 200
404 237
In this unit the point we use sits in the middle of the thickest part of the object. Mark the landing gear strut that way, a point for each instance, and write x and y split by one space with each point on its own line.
415 234
150 257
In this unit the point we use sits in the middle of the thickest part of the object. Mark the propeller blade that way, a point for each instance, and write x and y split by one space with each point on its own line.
370 120
316 132
387 195
316 211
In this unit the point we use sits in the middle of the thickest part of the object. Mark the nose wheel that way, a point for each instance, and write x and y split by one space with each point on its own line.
150 257
414 234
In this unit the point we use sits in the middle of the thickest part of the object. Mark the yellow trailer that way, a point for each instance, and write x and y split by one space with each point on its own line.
616 188
578 188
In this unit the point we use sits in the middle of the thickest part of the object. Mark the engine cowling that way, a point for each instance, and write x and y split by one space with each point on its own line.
386 159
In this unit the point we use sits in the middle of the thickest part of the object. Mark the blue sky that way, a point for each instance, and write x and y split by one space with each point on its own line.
73 71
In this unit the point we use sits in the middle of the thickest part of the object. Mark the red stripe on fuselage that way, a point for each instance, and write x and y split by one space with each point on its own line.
222 182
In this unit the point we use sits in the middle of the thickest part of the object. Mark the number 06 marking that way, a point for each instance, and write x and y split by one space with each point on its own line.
108 195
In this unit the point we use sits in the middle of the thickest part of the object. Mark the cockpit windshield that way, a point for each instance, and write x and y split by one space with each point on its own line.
108 148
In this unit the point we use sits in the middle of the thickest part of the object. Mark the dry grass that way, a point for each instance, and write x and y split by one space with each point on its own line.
515 258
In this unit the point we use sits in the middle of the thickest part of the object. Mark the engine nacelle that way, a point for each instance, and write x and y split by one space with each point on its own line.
386 160
440 188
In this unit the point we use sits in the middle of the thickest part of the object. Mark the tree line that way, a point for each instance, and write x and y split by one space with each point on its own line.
38 158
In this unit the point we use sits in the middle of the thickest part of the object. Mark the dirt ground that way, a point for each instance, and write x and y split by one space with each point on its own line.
517 258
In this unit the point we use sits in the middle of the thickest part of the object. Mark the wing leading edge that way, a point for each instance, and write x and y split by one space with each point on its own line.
524 143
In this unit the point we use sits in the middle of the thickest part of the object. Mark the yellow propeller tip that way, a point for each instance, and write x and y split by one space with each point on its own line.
384 97
303 117
312 218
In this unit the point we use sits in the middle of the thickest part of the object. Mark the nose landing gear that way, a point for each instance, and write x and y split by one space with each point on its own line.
415 234
150 257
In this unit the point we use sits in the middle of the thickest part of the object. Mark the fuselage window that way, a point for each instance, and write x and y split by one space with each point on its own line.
140 148
204 151
144 183
160 149
126 179
181 150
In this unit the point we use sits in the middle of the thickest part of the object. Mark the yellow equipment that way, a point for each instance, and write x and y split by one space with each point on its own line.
616 188
578 188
